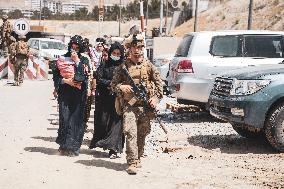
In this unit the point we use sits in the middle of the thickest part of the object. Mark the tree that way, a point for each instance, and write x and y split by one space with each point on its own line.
81 14
113 14
15 14
94 15
1 13
46 13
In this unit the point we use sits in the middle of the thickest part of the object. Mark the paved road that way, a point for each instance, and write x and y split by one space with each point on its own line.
203 153
28 152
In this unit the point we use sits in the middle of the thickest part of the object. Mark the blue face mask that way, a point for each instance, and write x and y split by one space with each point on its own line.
115 58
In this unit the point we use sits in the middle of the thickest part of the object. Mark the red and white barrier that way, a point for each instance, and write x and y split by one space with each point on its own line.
36 70
4 68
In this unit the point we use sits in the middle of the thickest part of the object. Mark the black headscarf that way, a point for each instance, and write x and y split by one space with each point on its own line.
77 39
116 45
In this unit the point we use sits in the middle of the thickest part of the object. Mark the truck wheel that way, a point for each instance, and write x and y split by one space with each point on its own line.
244 131
274 128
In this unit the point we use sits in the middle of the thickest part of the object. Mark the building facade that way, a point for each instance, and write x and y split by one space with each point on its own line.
55 6
70 8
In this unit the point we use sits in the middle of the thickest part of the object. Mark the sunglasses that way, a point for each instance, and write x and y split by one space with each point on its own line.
138 46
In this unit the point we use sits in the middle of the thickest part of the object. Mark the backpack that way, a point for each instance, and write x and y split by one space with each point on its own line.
22 48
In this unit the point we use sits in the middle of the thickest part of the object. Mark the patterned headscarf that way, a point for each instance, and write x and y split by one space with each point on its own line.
77 39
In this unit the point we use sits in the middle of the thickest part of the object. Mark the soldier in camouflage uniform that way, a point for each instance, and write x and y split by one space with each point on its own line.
5 31
12 49
21 60
136 122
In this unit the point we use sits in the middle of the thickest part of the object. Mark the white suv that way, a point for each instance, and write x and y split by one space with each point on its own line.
201 56
47 48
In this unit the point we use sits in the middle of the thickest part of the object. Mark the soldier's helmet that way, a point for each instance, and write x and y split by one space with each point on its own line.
5 17
22 37
134 40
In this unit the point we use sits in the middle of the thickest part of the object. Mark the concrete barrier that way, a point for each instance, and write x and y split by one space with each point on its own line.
37 69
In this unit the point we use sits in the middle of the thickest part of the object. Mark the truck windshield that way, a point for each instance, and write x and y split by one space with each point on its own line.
268 46
52 45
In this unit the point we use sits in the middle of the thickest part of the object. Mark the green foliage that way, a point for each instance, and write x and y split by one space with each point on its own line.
15 14
131 11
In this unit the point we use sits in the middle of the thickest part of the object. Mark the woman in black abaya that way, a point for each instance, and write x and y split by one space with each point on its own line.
72 92
108 124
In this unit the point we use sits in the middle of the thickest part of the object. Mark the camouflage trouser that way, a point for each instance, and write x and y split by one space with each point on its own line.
20 67
90 101
5 41
135 128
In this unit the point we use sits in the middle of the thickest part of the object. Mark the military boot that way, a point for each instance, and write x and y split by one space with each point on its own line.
132 169
138 164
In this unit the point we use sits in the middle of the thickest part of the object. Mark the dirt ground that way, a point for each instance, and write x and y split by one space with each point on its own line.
202 152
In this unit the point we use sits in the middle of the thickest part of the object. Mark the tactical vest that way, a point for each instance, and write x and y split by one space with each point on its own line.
22 48
140 72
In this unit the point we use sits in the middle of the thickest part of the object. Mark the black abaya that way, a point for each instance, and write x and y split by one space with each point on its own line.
71 102
108 124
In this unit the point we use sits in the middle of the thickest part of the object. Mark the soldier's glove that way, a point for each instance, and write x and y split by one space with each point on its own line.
153 102
126 89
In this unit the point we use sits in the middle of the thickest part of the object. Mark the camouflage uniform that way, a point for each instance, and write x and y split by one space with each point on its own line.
21 61
12 49
136 124
5 30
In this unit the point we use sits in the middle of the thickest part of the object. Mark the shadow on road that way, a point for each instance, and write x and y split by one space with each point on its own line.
48 139
231 144
52 151
52 129
189 117
52 139
44 150
103 163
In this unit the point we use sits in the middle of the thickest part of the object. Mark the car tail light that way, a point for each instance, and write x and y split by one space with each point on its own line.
177 87
185 66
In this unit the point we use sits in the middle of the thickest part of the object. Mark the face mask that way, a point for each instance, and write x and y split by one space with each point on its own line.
115 58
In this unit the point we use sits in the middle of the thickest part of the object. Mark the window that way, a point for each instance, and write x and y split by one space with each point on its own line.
267 46
183 47
34 44
226 46
52 45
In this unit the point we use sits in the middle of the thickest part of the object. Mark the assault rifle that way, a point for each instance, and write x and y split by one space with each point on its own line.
140 92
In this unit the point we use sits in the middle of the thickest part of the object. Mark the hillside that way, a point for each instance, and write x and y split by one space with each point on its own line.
267 15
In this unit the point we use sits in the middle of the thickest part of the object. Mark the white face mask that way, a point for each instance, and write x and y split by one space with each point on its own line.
115 58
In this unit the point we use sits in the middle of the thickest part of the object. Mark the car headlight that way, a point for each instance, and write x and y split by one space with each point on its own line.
247 87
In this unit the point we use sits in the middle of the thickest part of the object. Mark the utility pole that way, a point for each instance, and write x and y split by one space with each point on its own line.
195 15
101 15
39 12
142 16
167 9
119 23
147 14
161 16
250 14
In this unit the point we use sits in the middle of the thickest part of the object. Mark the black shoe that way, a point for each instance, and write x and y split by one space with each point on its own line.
112 154
62 152
72 154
